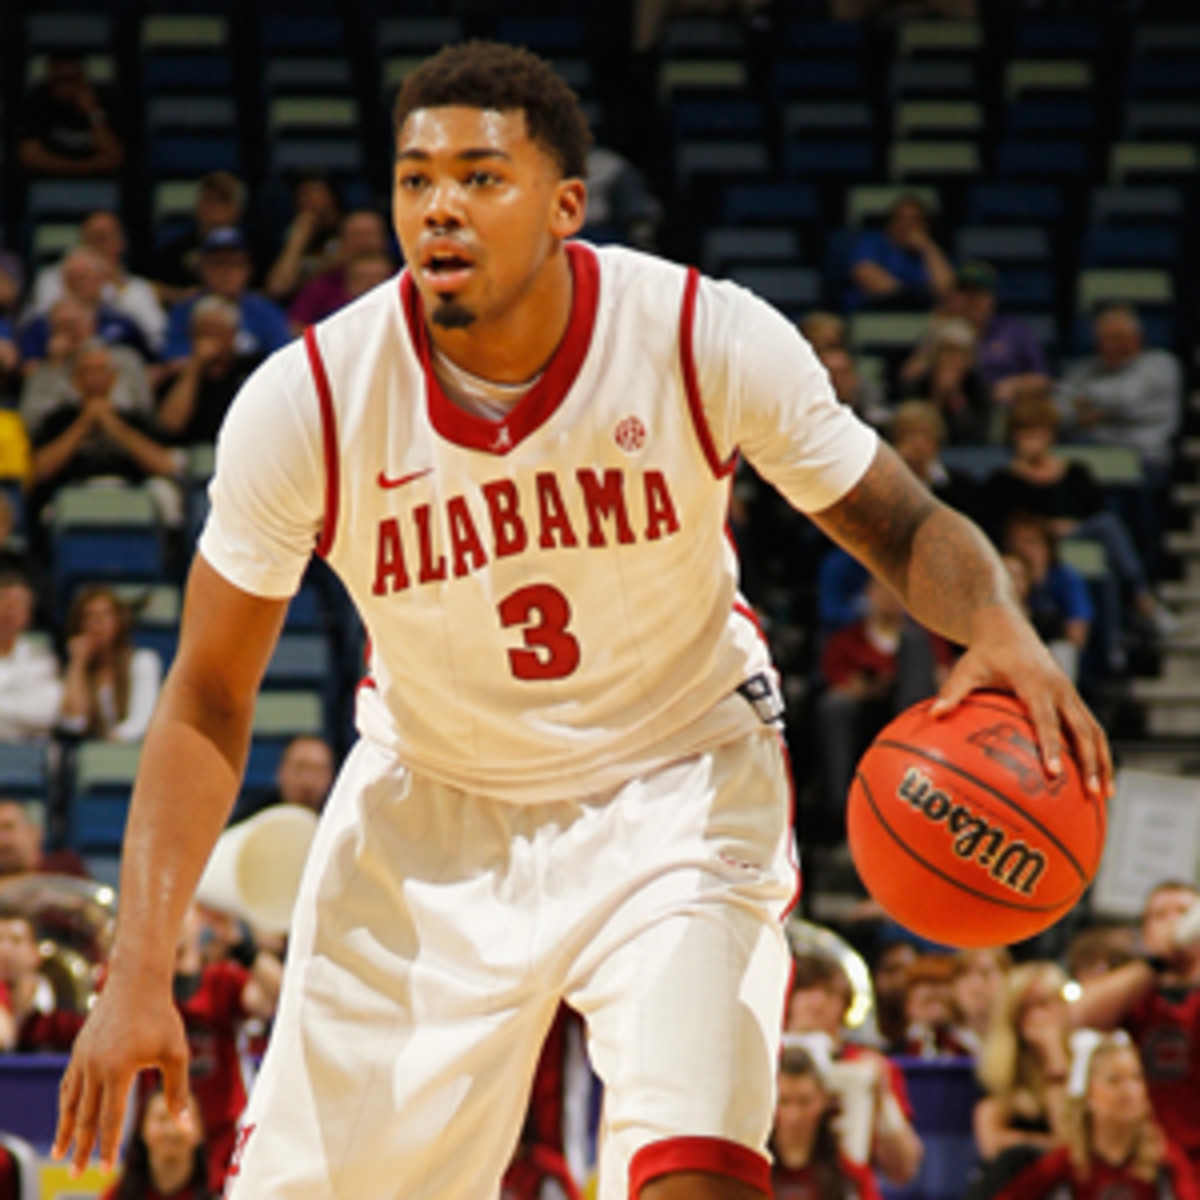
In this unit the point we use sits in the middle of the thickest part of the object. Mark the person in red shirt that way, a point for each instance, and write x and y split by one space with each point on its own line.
40 1026
1156 998
214 999
818 1003
809 1163
1114 1147
166 1159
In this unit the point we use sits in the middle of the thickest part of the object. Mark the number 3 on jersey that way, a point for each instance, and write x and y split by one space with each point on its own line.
543 614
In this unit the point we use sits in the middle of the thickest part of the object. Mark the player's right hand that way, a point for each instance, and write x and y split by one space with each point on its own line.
126 1032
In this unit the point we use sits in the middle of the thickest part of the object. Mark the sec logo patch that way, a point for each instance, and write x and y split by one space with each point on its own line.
630 435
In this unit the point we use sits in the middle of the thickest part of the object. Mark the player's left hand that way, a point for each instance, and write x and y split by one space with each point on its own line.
1006 653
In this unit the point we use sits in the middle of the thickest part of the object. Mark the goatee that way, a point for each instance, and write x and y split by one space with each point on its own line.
449 314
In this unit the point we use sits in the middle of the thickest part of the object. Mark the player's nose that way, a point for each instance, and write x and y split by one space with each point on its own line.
443 206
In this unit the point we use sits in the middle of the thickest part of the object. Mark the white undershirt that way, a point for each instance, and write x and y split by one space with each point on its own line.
480 397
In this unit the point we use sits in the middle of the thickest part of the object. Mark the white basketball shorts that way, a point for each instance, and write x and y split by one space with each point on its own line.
435 934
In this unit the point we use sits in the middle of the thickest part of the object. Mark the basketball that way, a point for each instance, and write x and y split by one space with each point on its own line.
959 833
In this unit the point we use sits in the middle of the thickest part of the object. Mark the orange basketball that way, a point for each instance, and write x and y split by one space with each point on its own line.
959 833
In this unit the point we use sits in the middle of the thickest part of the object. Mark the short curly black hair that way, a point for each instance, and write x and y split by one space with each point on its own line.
479 74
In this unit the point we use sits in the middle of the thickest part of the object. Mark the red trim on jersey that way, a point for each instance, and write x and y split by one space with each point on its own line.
691 385
793 849
744 610
539 404
328 442
715 1156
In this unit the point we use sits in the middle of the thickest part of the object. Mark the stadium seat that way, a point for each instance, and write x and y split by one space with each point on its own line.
683 37
1114 205
279 717
103 532
1015 203
1166 39
932 78
1154 78
869 203
302 33
54 199
804 119
836 158
191 113
1003 244
933 160
773 202
1162 118
79 32
759 245
703 116
1156 160
817 78
883 332
301 661
918 38
99 69
1049 38
104 775
336 155
184 31
187 73
793 290
1113 466
316 115
1109 285
550 36
24 770
917 117
309 76
1040 77
1026 289
709 74
1125 245
1028 119
183 155
1057 159
730 158
832 39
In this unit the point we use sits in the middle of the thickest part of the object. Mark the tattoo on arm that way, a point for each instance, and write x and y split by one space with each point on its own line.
936 561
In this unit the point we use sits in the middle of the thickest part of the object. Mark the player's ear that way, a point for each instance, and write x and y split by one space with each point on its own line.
568 208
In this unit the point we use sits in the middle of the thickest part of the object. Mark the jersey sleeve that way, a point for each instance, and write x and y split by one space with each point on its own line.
267 495
765 393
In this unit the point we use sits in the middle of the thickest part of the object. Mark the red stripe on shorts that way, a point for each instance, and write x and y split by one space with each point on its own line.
714 1156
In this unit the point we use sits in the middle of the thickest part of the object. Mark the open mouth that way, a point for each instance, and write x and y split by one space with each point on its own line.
446 270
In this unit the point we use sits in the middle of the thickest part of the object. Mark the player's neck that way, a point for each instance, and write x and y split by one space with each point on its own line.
515 344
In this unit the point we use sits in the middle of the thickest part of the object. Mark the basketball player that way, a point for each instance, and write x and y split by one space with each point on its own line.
569 783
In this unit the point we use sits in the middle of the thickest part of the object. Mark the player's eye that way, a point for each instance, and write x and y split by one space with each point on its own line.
411 181
479 179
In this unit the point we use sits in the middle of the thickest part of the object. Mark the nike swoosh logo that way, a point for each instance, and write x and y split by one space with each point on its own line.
401 480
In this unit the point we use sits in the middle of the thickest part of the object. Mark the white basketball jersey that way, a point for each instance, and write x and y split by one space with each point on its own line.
551 599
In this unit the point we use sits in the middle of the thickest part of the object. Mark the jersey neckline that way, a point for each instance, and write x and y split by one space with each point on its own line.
542 400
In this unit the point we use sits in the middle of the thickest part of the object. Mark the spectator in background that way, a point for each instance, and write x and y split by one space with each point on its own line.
818 1004
303 777
30 689
109 686
823 331
1093 953
1126 394
900 266
929 1011
952 383
41 1027
84 277
1023 1069
48 385
361 233
214 1000
889 977
194 403
872 670
1057 599
87 438
366 271
64 128
978 980
225 270
809 1162
311 244
165 1160
220 204
1037 479
1156 998
1008 354
131 295
918 433
621 206
862 395
1113 1147
21 844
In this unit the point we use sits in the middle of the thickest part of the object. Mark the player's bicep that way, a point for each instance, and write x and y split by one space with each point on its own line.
226 639
878 518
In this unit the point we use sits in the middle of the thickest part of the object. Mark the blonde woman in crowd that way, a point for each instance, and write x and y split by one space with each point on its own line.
978 978
1024 1062
1112 1146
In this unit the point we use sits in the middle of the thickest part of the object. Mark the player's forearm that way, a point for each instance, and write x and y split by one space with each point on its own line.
1105 1001
192 760
953 578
